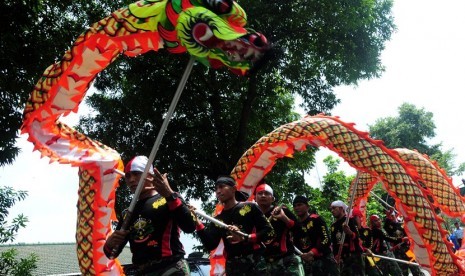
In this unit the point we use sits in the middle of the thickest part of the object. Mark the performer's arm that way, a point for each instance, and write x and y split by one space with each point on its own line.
115 243
181 213
262 225
323 244
210 236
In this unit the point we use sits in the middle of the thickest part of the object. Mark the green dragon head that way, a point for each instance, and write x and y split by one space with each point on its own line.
210 30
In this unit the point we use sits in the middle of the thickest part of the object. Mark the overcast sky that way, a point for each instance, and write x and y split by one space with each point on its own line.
425 66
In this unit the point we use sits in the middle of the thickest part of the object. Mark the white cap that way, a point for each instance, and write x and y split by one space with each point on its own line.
339 203
137 164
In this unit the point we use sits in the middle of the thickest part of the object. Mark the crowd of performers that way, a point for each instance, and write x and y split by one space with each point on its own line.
258 237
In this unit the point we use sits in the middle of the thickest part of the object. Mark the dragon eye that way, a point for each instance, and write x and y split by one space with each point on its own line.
202 33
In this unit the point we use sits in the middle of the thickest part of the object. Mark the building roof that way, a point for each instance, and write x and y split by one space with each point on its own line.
56 258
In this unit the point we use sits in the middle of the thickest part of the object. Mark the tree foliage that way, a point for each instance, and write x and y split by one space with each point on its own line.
335 186
34 34
319 45
8 197
413 129
9 263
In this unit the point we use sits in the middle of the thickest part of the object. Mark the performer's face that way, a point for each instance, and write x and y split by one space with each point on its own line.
336 211
224 192
300 209
132 179
264 198
376 223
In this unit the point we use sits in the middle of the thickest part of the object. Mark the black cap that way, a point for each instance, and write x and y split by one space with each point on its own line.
300 199
225 180
241 196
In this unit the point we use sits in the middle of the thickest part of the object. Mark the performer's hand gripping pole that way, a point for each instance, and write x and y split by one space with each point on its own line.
200 213
155 147
395 260
352 197
217 222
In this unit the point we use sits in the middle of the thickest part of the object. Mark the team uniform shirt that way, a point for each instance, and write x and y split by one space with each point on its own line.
281 243
395 229
351 243
314 236
366 237
154 231
379 241
400 248
249 219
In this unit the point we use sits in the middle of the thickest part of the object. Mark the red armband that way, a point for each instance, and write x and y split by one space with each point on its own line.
174 204
253 238
290 224
315 252
199 226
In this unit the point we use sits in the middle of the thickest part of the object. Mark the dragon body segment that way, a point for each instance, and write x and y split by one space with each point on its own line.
376 163
439 187
211 31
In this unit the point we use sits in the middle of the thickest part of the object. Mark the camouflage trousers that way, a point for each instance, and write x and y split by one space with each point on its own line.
288 266
324 266
352 265
179 268
253 265
388 267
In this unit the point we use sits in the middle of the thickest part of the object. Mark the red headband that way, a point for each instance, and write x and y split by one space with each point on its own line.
264 187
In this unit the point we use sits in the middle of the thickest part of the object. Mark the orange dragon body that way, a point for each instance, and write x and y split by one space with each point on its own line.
211 31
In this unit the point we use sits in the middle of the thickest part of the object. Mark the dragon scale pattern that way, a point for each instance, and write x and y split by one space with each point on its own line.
143 26
367 156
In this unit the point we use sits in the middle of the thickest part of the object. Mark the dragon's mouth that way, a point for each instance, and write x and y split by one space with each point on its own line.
250 47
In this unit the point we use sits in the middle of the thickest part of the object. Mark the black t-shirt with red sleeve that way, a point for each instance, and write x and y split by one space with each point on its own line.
155 229
249 219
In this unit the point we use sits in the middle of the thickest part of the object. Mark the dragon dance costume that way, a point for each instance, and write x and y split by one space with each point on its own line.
315 237
243 258
351 255
280 251
154 232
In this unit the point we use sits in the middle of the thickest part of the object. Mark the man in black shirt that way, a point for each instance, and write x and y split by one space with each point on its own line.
153 232
371 269
380 247
243 253
394 228
279 253
313 241
350 258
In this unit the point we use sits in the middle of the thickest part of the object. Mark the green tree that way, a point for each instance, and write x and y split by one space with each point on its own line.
9 264
412 129
318 45
33 35
335 186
